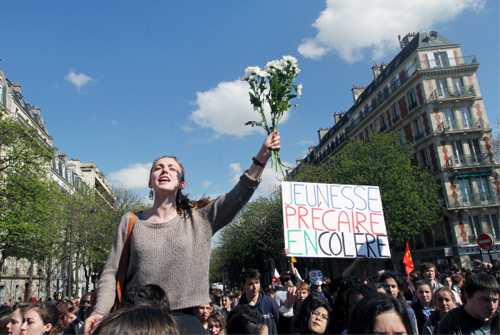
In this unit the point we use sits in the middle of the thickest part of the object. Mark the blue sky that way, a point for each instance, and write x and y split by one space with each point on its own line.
124 82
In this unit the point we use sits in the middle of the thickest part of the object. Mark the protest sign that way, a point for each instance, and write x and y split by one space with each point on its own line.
330 220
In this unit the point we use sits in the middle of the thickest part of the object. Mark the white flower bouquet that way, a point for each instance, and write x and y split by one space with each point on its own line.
274 86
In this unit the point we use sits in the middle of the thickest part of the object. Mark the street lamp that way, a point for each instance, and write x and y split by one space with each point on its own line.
70 265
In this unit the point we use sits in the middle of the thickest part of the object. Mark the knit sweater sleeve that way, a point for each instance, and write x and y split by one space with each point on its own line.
106 291
223 209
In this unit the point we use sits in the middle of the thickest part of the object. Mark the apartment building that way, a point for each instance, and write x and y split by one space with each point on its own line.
430 94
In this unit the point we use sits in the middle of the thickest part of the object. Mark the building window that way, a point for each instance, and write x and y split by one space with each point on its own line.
449 118
1 93
458 87
466 117
458 153
484 190
412 100
475 152
492 221
395 113
418 130
383 122
466 191
442 88
424 159
367 132
475 226
441 59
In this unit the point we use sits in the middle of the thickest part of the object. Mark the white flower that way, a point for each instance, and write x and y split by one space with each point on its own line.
263 74
275 64
290 59
299 90
251 70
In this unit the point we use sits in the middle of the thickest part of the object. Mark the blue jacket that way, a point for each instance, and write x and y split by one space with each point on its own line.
268 308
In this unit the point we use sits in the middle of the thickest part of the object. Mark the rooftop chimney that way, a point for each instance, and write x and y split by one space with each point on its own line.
356 92
322 132
376 70
406 40
16 87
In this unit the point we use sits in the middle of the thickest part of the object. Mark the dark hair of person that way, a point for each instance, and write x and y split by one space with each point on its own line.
244 320
219 317
361 289
48 314
392 275
151 294
249 274
285 277
139 319
345 285
378 285
63 309
364 315
182 201
5 317
456 278
480 281
422 283
310 304
23 307
426 266
269 291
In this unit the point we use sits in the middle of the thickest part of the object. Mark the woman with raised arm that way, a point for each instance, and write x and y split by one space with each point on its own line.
171 241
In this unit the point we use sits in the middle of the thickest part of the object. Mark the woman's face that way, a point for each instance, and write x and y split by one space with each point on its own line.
214 327
70 317
318 321
448 283
393 285
303 294
33 324
226 302
444 302
389 323
16 320
166 176
203 312
424 294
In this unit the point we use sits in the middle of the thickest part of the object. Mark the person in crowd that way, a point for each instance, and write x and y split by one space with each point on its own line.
76 326
67 314
41 318
444 302
391 279
226 304
304 290
217 323
5 317
356 294
457 280
382 288
286 282
155 296
380 314
236 298
428 271
245 320
447 281
339 318
139 319
202 313
479 315
256 299
16 320
171 241
312 317
270 292
422 307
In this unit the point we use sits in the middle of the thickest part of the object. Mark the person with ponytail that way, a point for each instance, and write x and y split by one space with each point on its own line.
170 243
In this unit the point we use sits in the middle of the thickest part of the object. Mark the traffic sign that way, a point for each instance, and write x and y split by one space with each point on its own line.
485 241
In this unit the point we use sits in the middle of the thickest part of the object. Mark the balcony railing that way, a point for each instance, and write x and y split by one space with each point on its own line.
462 161
447 93
412 106
459 125
396 118
448 63
472 200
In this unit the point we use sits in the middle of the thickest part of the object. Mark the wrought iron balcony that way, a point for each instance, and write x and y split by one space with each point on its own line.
465 161
460 125
448 63
453 93
472 200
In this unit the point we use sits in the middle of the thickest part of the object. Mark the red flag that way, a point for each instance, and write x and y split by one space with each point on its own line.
408 261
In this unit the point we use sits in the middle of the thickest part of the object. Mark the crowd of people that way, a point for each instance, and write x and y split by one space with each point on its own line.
459 301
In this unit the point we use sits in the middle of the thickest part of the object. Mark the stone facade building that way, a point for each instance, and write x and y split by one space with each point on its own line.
430 94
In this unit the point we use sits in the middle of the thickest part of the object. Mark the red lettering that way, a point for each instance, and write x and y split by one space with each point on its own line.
287 214
344 221
303 212
359 222
372 222
315 218
323 219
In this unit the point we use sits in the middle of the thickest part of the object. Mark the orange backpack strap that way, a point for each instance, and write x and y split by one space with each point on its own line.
122 270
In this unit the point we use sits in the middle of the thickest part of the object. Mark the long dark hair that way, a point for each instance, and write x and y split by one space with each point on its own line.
364 315
183 203
48 314
310 304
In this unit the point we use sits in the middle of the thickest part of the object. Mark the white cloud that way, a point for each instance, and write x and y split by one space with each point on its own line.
135 176
206 183
352 28
78 80
269 180
226 108
236 171
187 128
306 142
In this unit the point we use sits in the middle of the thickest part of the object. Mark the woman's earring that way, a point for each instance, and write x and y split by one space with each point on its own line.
151 194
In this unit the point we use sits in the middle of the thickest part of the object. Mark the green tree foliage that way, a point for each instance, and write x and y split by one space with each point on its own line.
251 240
409 196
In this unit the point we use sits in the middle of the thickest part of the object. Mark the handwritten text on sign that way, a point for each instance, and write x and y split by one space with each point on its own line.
327 220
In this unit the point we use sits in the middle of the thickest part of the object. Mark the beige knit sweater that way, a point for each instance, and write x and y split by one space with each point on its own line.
175 254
